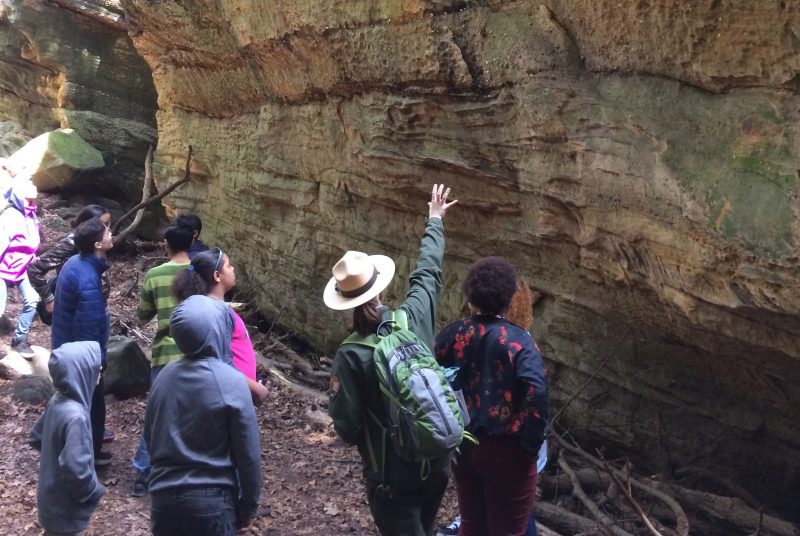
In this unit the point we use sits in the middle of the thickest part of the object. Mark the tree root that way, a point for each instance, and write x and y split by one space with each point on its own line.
563 520
606 522
630 500
681 520
732 510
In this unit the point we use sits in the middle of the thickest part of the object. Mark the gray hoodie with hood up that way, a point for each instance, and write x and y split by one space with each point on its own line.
68 490
200 425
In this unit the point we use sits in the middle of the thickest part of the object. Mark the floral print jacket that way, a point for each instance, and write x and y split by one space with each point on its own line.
501 375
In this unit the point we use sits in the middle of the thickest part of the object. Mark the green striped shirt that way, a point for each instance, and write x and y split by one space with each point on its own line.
157 300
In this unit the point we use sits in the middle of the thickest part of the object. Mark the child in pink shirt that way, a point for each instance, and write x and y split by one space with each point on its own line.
244 357
210 273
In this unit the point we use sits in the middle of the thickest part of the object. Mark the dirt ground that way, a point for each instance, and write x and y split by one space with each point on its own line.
311 481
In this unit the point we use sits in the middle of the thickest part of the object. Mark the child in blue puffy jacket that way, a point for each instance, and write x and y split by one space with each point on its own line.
80 312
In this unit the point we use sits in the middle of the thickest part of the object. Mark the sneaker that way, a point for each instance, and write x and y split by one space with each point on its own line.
108 436
451 529
23 348
102 459
140 484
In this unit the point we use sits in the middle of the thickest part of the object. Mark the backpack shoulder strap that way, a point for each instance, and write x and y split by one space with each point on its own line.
400 317
356 338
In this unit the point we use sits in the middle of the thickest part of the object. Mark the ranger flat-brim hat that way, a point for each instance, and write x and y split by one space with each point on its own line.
357 278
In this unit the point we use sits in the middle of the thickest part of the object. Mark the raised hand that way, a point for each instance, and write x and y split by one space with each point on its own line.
438 205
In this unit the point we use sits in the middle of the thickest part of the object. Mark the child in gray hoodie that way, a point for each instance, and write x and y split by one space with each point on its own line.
68 490
201 431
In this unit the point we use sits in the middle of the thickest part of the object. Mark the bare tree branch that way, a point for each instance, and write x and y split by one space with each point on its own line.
629 498
681 521
732 510
152 199
605 521
726 483
147 188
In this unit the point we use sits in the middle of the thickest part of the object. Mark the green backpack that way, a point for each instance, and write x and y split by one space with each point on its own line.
424 419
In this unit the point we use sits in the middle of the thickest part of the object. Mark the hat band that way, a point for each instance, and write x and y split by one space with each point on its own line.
360 290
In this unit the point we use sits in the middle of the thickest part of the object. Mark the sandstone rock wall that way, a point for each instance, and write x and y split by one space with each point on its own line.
637 160
71 64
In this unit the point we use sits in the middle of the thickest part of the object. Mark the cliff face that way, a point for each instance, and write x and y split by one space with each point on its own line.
637 161
71 64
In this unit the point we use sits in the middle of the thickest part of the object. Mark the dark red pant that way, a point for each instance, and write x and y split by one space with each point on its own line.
496 487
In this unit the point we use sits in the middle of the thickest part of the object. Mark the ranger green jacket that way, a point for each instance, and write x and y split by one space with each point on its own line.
355 384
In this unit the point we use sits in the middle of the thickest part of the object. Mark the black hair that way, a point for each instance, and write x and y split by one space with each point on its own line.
87 234
490 284
87 213
199 279
178 237
192 221
367 318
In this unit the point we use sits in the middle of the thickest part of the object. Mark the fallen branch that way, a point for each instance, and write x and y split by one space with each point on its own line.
130 329
268 363
152 199
733 510
541 530
630 500
607 523
302 369
270 366
307 391
591 479
563 520
681 521
725 483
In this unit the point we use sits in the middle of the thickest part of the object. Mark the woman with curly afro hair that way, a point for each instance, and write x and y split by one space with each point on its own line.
504 385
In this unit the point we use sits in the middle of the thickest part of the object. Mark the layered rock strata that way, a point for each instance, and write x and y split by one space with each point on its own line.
71 64
637 161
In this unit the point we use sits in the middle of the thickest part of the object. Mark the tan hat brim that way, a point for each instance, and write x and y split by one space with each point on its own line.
336 301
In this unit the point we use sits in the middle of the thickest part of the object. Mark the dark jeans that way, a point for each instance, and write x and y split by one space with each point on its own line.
97 416
496 487
204 511
407 512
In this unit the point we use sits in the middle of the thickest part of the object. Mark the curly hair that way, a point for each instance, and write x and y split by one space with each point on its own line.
490 284
200 278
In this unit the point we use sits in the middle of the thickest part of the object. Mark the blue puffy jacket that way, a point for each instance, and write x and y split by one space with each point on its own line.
79 312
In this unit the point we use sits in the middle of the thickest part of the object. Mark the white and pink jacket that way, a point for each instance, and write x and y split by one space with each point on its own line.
19 238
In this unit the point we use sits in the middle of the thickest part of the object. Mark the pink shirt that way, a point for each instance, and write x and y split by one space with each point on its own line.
244 357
